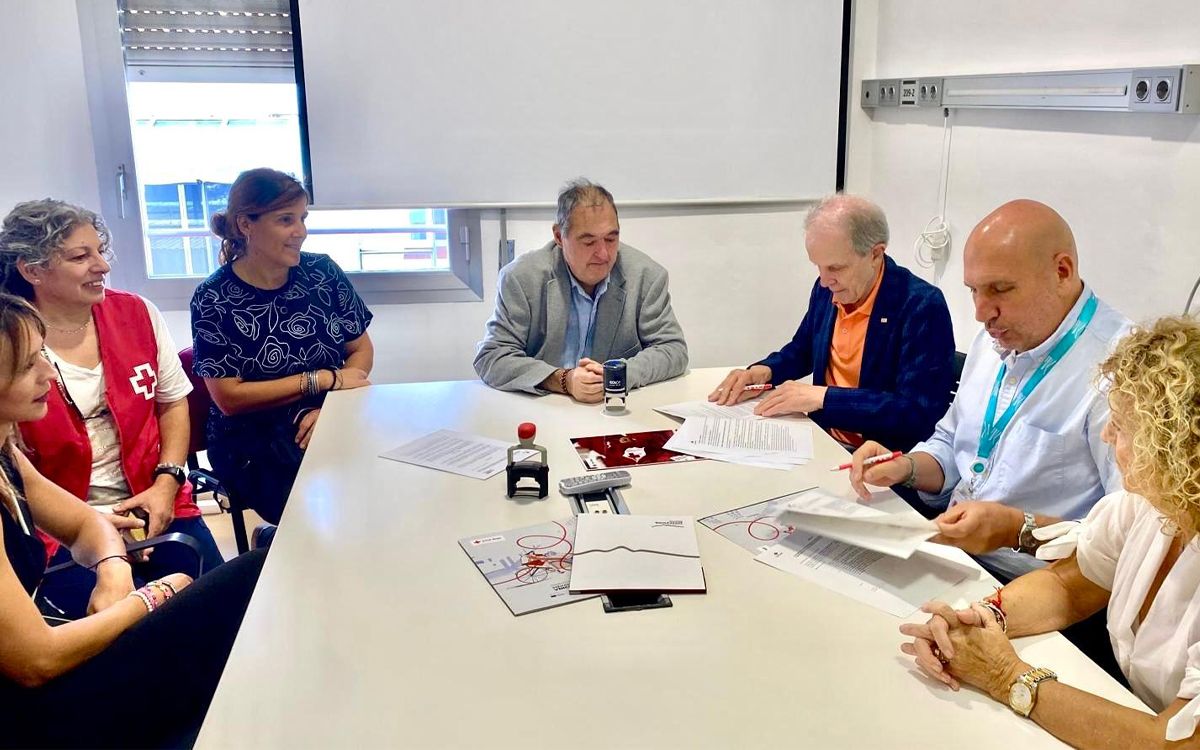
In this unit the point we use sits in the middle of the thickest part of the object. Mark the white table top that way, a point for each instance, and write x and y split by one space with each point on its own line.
371 628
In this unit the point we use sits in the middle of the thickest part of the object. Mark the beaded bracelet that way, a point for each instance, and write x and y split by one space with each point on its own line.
162 586
146 599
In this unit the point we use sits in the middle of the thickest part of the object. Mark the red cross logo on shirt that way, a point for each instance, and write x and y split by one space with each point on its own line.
144 380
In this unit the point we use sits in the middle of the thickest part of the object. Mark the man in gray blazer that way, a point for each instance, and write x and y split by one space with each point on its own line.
582 299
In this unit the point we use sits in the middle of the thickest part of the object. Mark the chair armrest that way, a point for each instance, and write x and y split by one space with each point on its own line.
205 481
157 541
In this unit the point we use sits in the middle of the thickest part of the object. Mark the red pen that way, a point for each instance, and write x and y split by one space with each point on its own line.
763 387
882 458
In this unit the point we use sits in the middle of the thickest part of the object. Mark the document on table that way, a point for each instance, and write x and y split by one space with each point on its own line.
685 409
456 452
636 553
895 534
763 442
529 568
893 585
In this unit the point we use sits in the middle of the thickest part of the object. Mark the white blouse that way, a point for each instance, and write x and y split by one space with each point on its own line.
1121 548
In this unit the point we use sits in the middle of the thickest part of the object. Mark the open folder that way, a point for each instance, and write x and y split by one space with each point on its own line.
895 534
636 553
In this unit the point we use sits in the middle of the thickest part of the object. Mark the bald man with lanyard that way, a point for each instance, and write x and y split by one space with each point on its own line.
1020 447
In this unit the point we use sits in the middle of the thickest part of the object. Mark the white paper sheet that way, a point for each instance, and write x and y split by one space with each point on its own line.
895 534
898 587
456 452
764 442
636 553
685 409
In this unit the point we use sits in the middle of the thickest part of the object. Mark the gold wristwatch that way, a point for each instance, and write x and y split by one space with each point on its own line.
1022 695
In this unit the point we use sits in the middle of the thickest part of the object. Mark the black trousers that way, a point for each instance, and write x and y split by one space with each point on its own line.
259 474
152 686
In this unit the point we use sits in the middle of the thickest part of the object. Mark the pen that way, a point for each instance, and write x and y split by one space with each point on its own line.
872 460
763 387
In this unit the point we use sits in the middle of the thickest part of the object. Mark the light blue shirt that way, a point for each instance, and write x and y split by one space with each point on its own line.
581 325
1051 459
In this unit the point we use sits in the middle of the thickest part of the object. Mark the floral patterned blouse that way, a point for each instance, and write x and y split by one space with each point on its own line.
239 330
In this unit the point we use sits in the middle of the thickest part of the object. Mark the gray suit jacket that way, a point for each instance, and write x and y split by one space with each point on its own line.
525 337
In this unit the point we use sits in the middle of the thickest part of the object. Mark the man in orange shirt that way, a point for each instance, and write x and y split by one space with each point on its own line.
876 339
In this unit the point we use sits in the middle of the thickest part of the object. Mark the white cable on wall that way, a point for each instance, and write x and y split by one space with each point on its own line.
933 243
1187 309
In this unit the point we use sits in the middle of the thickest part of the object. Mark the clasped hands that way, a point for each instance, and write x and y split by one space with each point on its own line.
964 646
585 383
789 397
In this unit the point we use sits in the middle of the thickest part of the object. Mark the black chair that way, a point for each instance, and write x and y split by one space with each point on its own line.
203 480
960 360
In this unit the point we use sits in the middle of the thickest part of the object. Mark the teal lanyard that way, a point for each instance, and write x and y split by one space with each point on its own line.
992 429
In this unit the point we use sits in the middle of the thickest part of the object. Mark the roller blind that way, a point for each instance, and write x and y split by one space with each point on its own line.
447 102
217 33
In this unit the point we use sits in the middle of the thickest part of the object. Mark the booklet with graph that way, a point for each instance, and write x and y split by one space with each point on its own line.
636 553
898 535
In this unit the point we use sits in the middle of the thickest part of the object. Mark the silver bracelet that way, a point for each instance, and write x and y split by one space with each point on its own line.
1001 618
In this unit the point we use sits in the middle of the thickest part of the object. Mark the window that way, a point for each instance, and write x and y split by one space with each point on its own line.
208 90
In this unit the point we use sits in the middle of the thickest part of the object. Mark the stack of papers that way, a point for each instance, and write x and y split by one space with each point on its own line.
766 443
685 409
886 582
895 534
635 553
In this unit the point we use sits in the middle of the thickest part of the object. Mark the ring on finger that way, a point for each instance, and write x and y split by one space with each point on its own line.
937 652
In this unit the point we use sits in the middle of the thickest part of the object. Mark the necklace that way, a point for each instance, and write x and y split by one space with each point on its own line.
70 330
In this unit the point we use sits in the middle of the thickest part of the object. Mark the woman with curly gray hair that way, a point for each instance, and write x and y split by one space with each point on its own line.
116 431
1137 554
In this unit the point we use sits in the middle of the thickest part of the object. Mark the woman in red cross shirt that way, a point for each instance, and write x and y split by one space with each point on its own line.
116 431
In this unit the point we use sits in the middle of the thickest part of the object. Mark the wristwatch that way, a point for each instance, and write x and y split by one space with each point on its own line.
1022 695
177 472
1026 541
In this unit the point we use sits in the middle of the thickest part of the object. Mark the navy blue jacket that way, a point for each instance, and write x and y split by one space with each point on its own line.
907 365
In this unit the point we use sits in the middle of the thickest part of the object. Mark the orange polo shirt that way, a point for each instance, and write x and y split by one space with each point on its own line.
846 350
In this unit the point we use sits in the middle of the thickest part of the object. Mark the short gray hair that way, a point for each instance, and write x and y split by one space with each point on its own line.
863 221
33 231
580 192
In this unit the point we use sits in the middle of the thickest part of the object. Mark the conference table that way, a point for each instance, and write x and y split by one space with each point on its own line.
371 628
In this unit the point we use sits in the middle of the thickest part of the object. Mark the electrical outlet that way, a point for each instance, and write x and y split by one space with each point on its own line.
929 92
1154 90
1141 90
888 91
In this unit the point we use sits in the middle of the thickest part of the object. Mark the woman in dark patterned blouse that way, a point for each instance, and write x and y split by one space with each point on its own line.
273 330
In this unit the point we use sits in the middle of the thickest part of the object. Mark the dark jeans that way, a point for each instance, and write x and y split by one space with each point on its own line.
152 686
68 591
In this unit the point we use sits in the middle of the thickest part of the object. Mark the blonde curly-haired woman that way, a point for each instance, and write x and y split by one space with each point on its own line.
1137 554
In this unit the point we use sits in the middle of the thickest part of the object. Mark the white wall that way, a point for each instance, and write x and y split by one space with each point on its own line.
1128 184
45 131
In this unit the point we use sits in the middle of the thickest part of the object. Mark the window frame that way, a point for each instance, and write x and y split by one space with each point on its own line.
122 207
